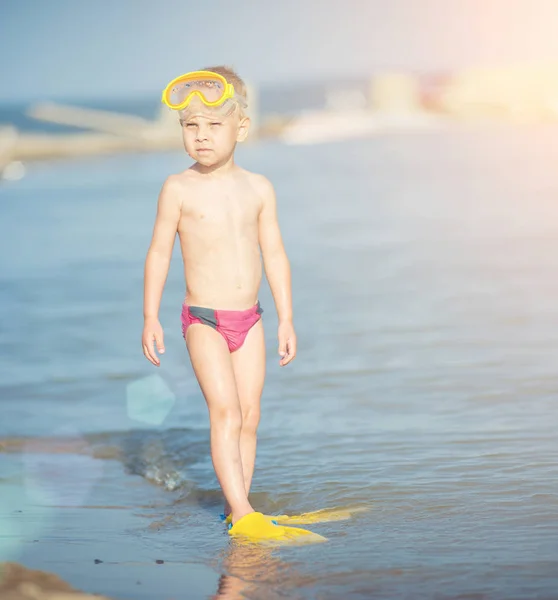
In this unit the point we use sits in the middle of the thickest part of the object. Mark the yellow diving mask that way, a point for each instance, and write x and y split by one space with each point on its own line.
207 87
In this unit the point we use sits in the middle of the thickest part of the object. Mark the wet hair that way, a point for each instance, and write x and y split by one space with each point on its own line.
232 77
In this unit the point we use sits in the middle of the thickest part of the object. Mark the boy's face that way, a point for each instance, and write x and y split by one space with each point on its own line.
211 139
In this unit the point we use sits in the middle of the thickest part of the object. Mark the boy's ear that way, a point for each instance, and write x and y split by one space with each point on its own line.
243 129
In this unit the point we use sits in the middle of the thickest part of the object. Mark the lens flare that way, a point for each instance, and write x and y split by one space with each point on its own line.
149 400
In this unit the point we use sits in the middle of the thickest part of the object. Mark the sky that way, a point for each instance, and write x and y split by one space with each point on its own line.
113 48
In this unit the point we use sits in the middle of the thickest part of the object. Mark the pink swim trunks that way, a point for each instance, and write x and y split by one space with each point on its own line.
233 325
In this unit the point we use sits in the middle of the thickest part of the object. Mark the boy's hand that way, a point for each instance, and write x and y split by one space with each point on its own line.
287 342
152 333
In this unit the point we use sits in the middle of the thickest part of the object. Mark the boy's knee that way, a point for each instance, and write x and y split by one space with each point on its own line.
227 417
250 420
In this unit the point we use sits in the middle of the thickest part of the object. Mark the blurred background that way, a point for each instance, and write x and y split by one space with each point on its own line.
413 147
101 68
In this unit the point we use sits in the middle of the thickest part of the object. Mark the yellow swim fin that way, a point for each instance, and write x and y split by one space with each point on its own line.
255 527
324 515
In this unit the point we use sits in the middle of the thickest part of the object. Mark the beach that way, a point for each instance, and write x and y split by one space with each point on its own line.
423 394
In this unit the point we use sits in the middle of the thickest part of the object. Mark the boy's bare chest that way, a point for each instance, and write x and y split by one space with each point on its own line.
231 210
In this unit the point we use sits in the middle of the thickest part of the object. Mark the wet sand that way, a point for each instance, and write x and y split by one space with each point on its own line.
53 543
20 583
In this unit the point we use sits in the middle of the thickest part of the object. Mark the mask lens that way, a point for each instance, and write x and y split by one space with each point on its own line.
197 108
212 90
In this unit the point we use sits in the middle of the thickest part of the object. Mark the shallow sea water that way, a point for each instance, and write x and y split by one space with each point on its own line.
425 388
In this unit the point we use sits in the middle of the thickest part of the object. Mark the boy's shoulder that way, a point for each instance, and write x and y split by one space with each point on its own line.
176 180
175 190
259 182
176 183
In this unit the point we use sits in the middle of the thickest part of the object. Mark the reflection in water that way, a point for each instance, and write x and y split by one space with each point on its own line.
255 571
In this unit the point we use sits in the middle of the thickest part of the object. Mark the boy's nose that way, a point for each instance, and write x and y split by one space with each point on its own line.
202 134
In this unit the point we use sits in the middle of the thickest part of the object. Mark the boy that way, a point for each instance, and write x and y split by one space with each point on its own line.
224 216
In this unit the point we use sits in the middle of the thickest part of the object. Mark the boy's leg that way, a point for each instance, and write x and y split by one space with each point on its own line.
211 361
249 370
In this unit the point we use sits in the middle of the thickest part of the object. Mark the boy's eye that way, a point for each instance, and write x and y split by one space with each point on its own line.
216 123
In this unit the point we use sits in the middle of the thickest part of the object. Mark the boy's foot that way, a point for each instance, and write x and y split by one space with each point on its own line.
256 527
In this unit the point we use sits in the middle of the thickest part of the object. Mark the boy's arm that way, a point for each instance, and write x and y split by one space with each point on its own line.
277 270
157 264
